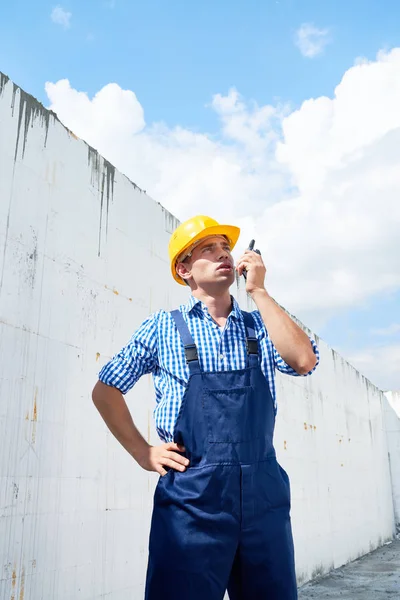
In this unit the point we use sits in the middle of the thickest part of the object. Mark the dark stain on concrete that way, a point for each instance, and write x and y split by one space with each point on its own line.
170 222
3 82
108 184
94 162
102 178
31 260
30 109
15 491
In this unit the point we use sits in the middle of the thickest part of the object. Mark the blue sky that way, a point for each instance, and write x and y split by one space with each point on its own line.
176 55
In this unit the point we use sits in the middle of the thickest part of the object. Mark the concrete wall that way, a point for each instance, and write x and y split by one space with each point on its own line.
394 401
77 243
391 406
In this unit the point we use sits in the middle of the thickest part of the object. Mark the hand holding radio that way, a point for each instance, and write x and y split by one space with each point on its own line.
252 267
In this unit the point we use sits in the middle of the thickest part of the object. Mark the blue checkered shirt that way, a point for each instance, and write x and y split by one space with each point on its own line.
156 348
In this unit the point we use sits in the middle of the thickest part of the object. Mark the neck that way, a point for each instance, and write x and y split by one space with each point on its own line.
219 305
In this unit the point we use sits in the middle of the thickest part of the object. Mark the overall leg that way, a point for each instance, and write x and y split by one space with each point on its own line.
264 567
194 535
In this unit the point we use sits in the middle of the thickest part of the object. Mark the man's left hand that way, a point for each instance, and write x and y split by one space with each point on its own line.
255 268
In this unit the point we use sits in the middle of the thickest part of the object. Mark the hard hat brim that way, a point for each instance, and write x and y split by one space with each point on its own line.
229 231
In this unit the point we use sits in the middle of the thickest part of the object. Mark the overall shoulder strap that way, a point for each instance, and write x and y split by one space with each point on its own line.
190 347
251 339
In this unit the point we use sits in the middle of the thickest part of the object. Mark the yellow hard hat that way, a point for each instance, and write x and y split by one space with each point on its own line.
193 230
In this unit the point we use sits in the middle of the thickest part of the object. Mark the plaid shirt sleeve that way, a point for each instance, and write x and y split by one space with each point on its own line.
137 358
276 358
282 366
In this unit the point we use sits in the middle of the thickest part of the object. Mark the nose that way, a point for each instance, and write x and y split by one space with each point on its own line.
223 253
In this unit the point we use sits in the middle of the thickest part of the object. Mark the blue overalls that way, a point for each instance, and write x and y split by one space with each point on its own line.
224 523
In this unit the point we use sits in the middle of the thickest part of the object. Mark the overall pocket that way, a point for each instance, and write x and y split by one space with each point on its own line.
231 415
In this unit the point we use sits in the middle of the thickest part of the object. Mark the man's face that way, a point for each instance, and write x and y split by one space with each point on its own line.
211 262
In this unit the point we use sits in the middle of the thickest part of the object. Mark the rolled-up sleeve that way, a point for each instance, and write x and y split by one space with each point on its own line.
282 366
137 358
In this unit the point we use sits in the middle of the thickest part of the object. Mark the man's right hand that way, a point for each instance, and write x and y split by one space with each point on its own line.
155 458
112 406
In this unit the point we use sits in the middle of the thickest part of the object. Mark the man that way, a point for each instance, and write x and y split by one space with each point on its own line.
221 517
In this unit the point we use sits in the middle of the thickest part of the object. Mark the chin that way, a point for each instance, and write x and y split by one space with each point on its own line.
227 279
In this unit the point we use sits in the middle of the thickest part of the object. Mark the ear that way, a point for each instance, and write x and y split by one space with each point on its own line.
183 271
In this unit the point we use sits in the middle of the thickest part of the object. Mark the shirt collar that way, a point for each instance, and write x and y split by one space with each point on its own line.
236 312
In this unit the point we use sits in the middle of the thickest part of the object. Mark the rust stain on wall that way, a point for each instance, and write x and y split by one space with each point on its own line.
117 293
285 445
34 416
22 589
72 134
35 406
97 356
113 290
310 427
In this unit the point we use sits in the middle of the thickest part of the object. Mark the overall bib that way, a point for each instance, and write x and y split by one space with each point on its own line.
224 523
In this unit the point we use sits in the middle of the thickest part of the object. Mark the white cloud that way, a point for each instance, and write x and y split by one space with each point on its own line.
318 187
386 331
61 17
381 365
310 40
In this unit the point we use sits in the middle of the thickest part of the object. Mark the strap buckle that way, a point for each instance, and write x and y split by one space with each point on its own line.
191 353
252 345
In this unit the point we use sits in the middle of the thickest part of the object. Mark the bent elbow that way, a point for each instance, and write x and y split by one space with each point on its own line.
96 392
307 365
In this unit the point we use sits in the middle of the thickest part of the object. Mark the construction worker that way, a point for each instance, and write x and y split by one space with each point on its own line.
221 518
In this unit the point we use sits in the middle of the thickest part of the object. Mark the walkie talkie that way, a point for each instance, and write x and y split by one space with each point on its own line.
251 247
